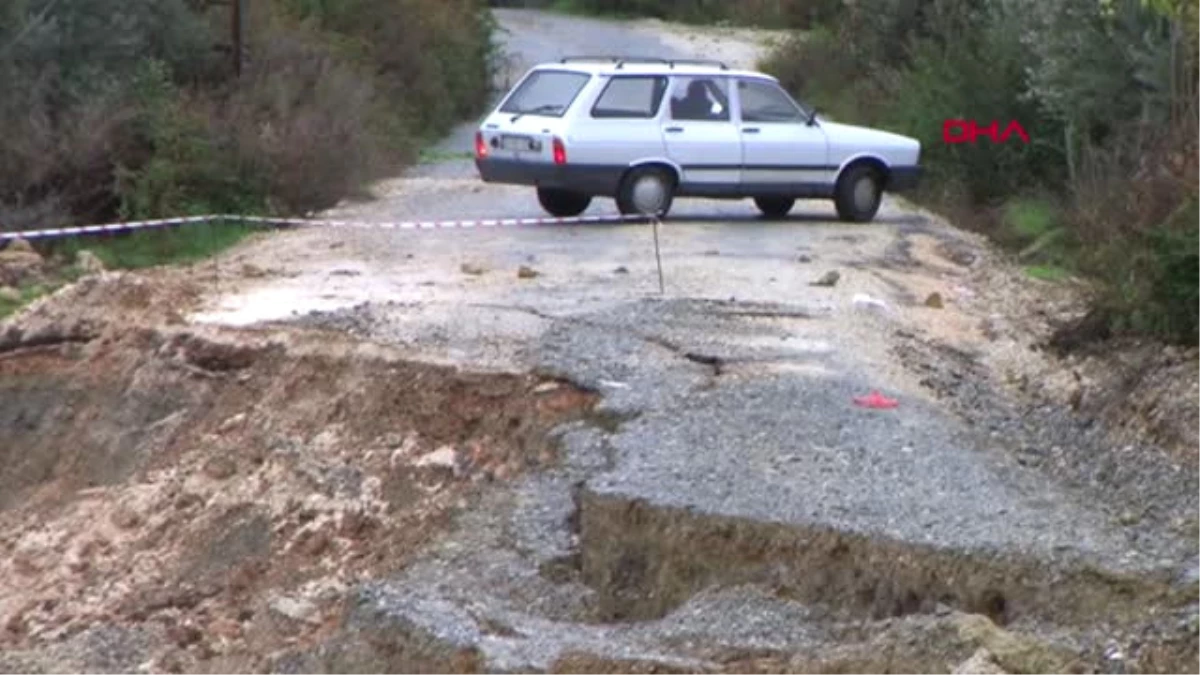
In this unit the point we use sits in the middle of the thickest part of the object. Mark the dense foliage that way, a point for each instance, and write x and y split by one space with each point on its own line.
1107 91
765 13
133 108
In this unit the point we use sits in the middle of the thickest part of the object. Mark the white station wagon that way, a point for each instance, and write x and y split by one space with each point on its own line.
644 131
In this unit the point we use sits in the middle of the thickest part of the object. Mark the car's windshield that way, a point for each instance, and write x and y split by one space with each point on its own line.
546 92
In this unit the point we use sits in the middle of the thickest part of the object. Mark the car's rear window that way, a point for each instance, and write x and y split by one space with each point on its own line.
546 92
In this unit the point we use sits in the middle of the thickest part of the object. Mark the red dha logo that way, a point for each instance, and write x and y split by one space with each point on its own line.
966 131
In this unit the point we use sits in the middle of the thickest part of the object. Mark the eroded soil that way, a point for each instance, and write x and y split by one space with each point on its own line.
215 494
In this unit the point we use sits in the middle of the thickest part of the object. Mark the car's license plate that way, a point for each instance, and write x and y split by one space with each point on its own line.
520 143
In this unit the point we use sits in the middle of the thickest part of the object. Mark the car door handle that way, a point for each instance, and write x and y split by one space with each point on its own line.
750 130
674 130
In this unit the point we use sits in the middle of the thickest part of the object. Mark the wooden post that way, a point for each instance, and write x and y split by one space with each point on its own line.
237 27
658 258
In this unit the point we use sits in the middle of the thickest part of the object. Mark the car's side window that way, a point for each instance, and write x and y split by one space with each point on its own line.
700 99
631 96
766 102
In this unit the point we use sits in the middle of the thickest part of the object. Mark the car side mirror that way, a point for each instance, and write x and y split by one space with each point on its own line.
812 118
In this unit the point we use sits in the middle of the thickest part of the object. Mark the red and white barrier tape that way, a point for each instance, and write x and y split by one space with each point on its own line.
112 228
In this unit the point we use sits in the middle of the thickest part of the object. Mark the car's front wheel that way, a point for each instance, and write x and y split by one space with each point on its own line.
563 203
646 191
859 193
774 207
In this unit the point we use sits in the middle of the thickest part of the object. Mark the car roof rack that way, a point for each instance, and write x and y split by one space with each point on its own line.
622 60
699 62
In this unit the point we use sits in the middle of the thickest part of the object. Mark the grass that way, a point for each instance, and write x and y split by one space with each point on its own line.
148 248
1030 218
135 250
1047 272
24 296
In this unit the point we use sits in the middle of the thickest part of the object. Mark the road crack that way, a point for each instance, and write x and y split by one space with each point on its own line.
712 361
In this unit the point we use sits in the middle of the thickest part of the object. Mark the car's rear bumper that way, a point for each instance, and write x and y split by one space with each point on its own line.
904 178
588 179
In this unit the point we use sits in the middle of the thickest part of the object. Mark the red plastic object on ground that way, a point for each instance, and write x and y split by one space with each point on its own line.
875 400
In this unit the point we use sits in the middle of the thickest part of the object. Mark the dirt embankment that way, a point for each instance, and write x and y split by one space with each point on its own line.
187 501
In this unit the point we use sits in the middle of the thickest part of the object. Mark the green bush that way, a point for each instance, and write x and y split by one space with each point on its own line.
128 108
69 69
432 59
912 78
147 248
1107 93
767 13
1173 286
189 168
814 67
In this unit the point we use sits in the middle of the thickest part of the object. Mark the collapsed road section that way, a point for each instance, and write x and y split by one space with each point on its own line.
172 497
753 520
288 498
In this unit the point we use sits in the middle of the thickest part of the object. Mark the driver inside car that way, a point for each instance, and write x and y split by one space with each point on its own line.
695 105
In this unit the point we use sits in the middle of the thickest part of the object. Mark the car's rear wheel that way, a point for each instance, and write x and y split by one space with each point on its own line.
647 191
562 203
859 193
774 207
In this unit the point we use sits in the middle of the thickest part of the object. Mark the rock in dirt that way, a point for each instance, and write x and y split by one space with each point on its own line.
981 663
471 269
527 272
225 628
125 518
297 609
88 262
19 246
829 280
445 458
185 634
253 271
20 264
935 301
958 253
220 468
1012 652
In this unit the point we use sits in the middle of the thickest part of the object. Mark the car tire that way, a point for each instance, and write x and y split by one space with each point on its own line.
563 203
647 191
774 207
858 194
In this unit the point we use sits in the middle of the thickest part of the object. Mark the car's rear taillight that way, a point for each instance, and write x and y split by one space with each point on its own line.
560 151
481 148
